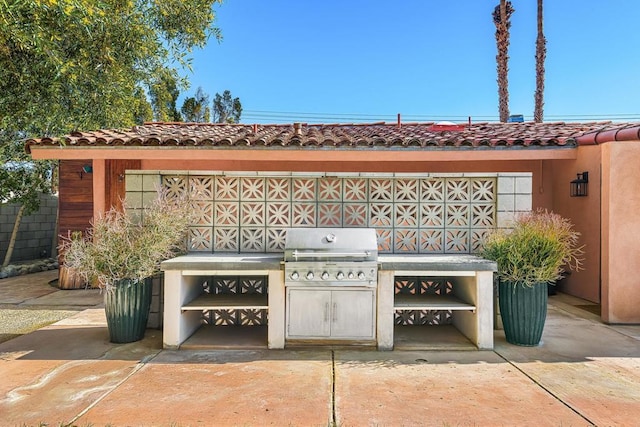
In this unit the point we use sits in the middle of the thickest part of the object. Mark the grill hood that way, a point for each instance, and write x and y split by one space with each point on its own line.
331 244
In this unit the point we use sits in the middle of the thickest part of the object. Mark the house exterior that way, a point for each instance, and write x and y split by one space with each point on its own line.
425 187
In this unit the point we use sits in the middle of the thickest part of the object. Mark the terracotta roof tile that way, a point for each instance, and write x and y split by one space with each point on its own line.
623 132
405 135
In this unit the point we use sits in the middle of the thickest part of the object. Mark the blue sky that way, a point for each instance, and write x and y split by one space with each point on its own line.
354 60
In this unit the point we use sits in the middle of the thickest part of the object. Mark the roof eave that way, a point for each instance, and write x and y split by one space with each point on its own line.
374 154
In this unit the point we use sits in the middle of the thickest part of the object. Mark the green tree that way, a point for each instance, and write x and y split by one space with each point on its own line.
541 54
85 64
502 20
164 92
22 182
226 109
196 109
142 111
78 64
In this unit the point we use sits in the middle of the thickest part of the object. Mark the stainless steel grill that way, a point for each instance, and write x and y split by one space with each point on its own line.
331 256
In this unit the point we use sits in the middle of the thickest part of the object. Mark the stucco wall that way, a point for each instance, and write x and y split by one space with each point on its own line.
621 232
584 213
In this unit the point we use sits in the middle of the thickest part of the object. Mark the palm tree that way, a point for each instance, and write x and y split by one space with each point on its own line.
502 19
541 54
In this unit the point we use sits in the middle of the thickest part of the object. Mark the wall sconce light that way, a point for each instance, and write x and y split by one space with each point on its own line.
580 185
86 169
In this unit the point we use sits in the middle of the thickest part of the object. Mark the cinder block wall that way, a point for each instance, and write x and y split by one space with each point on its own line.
36 232
157 300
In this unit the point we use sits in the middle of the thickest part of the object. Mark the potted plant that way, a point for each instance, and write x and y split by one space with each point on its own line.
121 252
533 253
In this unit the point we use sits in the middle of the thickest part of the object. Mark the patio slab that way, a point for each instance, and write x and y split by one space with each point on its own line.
224 388
441 388
79 298
591 367
19 289
66 389
54 374
583 373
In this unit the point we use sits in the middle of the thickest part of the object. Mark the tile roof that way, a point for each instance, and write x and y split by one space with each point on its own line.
404 135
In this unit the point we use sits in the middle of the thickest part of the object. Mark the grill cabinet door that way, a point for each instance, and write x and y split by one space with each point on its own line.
308 313
331 313
352 314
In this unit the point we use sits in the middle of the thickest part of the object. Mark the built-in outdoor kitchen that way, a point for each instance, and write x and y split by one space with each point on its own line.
329 287
304 259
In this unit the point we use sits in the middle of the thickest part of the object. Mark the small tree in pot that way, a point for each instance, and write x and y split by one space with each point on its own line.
121 252
534 253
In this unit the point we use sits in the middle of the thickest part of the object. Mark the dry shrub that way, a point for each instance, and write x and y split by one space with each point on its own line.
121 245
538 249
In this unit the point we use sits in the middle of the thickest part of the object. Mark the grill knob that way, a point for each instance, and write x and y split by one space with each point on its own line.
325 275
310 275
351 275
295 275
340 275
361 275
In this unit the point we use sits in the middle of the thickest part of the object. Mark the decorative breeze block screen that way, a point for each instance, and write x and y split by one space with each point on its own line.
411 215
411 285
235 285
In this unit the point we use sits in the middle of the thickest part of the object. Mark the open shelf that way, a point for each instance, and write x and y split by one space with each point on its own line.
430 302
209 337
437 337
228 302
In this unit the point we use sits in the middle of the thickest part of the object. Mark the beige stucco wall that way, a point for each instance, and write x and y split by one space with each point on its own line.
621 232
303 165
584 213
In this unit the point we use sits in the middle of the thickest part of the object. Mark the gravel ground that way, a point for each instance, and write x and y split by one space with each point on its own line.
29 302
19 321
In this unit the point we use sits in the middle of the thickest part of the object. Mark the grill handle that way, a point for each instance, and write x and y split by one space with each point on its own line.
304 254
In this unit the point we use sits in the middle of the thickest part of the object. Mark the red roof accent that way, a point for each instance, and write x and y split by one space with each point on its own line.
624 132
439 127
411 136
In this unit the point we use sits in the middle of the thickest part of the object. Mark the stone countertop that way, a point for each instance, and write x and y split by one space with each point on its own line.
461 262
253 261
244 261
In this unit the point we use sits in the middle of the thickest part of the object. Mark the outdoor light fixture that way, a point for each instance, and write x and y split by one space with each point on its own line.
579 186
86 169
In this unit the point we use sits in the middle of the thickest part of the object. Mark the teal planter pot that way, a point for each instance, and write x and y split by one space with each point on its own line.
127 307
523 311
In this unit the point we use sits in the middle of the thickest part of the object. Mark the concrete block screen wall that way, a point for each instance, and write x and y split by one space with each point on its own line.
35 237
412 213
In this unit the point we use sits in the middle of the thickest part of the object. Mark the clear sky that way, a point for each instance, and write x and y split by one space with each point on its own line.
343 61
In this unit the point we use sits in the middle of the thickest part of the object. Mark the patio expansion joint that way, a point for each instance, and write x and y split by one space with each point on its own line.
547 390
145 360
333 389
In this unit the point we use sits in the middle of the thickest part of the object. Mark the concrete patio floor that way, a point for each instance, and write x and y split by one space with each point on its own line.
583 373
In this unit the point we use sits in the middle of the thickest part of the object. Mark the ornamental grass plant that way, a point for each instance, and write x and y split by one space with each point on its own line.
121 245
539 248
